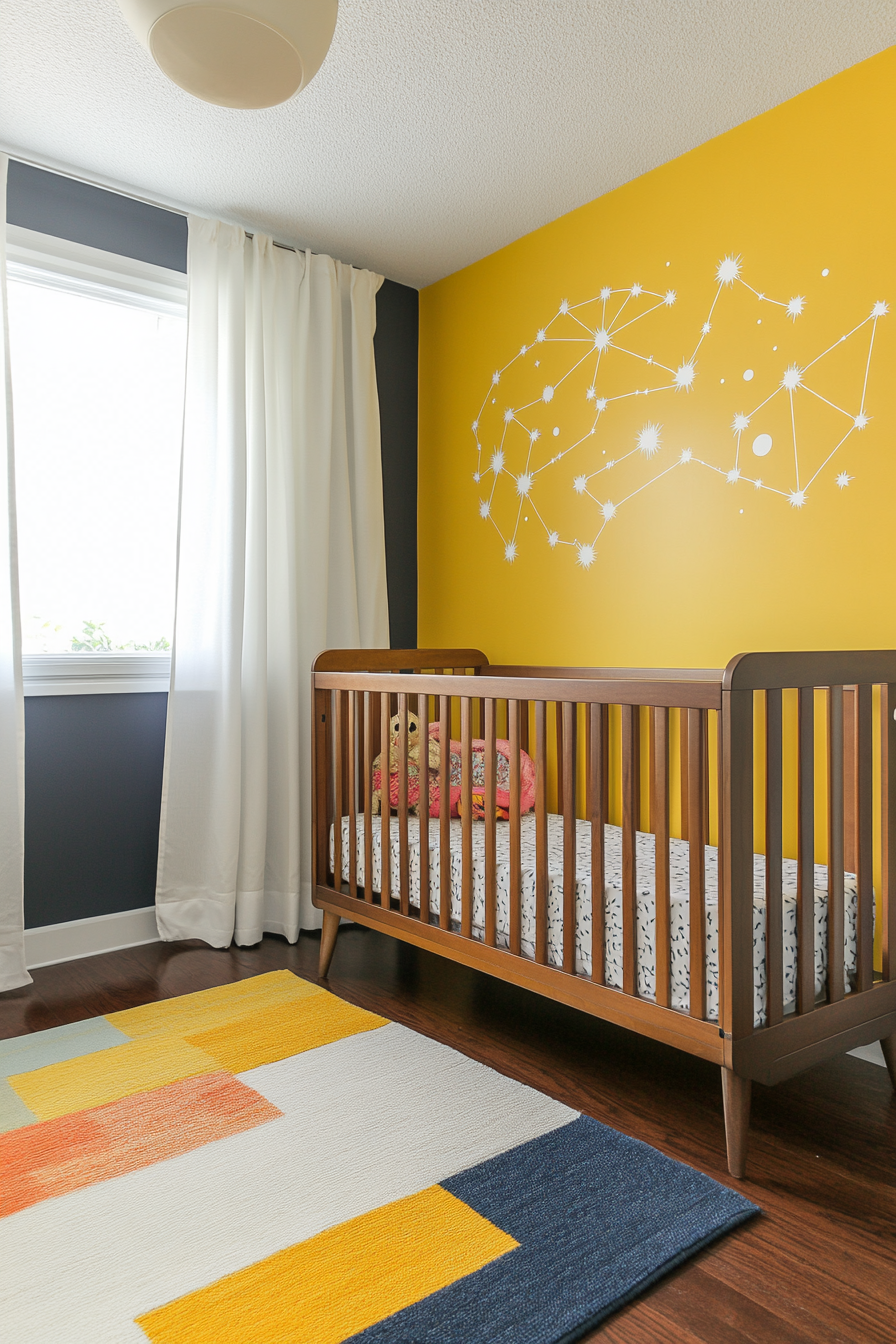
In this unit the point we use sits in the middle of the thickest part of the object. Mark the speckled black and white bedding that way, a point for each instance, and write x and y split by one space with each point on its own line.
646 912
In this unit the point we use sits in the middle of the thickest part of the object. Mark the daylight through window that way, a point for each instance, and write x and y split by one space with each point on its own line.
98 381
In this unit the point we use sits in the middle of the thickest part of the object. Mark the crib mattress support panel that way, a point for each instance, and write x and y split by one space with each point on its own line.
613 1005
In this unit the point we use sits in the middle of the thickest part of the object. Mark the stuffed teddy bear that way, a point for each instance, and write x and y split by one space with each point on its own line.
434 756
455 773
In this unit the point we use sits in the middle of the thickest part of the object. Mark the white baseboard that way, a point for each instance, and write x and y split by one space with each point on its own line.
872 1053
53 943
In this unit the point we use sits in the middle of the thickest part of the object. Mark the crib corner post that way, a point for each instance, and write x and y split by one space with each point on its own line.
888 1045
736 1095
327 942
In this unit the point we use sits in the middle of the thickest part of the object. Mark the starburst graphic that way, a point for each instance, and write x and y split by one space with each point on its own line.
684 375
728 270
591 352
649 440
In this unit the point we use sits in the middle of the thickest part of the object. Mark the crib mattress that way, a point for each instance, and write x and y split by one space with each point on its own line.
646 903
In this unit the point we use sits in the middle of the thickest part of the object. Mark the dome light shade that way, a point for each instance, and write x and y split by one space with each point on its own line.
236 53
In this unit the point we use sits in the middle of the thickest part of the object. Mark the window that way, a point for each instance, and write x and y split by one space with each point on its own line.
97 347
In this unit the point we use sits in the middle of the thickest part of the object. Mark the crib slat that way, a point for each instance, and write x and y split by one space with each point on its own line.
404 862
558 739
385 801
595 807
369 754
569 836
423 804
629 858
888 829
491 861
466 804
850 810
444 812
835 976
352 729
541 835
696 728
865 853
774 913
516 867
659 816
685 769
339 730
319 765
805 898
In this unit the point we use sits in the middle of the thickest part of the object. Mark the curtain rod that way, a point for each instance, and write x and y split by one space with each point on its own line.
157 202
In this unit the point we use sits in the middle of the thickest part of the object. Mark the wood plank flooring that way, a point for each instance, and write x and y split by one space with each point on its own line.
819 1266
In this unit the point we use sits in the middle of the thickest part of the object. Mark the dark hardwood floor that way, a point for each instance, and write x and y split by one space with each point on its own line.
819 1265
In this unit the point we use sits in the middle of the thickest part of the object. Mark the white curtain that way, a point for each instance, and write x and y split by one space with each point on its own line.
12 704
281 554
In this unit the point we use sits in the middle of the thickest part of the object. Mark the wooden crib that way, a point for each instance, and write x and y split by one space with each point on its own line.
741 758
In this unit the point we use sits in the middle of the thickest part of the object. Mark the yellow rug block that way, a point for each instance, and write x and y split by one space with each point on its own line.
209 1008
342 1281
93 1080
268 1035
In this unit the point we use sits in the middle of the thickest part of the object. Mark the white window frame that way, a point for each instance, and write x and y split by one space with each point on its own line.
57 263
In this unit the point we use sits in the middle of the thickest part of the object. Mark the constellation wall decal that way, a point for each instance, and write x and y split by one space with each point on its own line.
591 350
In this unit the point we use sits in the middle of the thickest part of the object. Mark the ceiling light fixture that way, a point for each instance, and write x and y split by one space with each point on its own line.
246 53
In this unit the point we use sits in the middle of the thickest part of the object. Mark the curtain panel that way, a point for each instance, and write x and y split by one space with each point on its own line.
12 705
281 554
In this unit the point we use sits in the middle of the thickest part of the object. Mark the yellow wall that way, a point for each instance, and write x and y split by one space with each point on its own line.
693 568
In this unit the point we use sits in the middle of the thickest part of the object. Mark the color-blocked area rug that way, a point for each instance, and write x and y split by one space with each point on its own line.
263 1163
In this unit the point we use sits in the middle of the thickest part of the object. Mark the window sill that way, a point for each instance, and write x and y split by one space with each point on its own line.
94 673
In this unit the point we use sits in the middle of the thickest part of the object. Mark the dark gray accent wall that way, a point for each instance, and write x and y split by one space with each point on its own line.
93 763
395 348
60 206
93 790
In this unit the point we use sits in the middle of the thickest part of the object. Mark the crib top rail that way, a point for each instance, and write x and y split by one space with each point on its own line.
591 690
838 667
397 660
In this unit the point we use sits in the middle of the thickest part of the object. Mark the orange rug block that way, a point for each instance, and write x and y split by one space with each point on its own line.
58 1156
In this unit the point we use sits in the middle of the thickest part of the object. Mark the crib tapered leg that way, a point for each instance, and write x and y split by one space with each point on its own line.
736 1097
327 941
888 1045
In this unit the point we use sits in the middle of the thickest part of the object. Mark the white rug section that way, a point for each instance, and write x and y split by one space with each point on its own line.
367 1120
872 1053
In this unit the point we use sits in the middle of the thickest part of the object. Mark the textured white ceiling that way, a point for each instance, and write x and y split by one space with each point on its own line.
437 130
